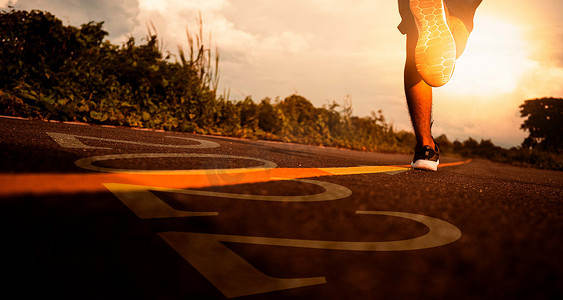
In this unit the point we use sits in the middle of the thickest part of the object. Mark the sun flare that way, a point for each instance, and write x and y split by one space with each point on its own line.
493 62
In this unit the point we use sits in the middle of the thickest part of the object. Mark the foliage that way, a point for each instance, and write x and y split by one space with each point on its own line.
544 123
52 71
57 72
519 156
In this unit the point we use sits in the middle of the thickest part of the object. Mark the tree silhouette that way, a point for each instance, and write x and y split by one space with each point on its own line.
544 122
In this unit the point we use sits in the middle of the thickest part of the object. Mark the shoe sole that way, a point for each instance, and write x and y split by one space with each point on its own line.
427 165
435 51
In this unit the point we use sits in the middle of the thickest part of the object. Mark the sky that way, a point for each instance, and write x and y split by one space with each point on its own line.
350 51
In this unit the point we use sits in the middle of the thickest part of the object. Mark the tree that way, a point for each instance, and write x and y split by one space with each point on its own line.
544 122
267 119
52 71
444 143
35 46
298 109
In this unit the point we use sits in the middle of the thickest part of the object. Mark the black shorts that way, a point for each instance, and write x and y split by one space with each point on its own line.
462 9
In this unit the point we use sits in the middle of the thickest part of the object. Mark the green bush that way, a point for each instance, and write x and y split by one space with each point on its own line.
52 71
57 72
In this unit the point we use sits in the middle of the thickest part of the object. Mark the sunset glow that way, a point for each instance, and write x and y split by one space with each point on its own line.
336 50
495 60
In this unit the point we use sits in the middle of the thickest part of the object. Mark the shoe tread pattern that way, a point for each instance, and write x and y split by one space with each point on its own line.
435 50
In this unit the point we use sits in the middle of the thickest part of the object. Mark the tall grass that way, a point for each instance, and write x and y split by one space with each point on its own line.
70 74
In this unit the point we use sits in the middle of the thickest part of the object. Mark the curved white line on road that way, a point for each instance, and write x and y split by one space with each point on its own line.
441 233
332 192
71 141
203 144
87 163
146 205
235 277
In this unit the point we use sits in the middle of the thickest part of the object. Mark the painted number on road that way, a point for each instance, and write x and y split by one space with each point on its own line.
227 271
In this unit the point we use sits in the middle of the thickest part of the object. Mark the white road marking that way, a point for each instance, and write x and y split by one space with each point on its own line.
71 141
227 271
332 192
235 277
147 205
87 163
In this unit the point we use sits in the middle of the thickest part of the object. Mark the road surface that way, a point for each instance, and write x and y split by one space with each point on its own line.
92 212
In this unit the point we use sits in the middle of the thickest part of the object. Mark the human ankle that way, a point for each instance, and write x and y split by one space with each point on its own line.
425 142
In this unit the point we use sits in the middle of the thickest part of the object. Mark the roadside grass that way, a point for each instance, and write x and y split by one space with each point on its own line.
54 72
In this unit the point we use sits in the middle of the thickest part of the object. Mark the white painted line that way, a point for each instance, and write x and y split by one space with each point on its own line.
146 205
235 277
228 272
87 163
71 141
332 192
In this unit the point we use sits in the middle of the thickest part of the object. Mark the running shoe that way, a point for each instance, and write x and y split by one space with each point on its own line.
435 50
426 158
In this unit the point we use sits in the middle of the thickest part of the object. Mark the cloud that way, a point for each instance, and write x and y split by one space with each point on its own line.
6 3
119 16
507 62
328 49
324 50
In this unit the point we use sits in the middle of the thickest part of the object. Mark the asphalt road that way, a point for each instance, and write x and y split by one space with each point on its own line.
90 212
